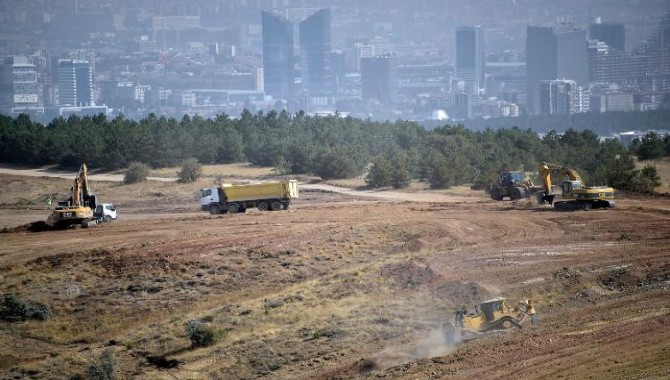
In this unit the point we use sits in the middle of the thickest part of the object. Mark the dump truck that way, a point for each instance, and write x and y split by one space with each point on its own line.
231 199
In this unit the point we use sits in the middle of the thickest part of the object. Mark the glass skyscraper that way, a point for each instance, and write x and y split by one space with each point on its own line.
470 58
278 58
315 47
75 83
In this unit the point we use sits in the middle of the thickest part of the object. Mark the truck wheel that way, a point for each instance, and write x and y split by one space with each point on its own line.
275 206
214 209
107 218
263 206
233 208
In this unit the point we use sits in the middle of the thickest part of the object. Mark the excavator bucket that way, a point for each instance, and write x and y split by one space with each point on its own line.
546 198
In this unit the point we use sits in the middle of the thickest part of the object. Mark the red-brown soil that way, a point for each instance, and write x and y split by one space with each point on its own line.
339 286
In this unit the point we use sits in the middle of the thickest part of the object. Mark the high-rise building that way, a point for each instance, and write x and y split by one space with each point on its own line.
560 97
21 84
278 58
363 51
550 54
75 83
572 60
315 48
650 61
540 63
470 57
613 35
378 78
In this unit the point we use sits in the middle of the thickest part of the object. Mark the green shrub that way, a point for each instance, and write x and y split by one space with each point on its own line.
199 333
379 174
104 367
15 309
190 171
401 176
136 172
336 165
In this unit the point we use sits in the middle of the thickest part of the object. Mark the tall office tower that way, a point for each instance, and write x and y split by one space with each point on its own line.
363 51
278 57
470 57
610 65
75 83
649 61
378 78
572 61
540 63
613 35
315 47
21 87
559 97
654 53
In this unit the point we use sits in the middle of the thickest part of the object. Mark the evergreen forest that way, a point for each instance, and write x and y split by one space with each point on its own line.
388 153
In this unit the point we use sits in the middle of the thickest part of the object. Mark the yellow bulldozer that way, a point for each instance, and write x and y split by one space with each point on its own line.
491 315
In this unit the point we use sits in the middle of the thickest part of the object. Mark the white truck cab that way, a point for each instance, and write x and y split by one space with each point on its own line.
105 212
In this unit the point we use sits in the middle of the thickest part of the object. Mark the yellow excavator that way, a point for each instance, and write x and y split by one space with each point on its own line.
78 208
574 195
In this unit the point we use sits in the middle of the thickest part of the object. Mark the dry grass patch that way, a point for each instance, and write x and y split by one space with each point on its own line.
240 170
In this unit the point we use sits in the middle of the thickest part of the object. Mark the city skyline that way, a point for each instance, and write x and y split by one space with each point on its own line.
285 55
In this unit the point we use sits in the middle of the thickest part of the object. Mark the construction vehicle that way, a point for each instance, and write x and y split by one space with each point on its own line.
104 212
513 185
574 195
231 199
490 315
81 208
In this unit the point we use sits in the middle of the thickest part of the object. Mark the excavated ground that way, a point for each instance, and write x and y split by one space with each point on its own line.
340 286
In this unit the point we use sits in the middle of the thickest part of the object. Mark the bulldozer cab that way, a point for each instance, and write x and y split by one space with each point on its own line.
489 308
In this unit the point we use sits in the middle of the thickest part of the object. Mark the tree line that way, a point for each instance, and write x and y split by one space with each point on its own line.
391 153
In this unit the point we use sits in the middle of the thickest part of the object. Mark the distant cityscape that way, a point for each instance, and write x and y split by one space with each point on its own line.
208 58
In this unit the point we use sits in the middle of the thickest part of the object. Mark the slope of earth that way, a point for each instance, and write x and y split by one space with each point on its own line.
334 288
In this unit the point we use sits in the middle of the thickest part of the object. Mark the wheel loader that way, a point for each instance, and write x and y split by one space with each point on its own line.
513 185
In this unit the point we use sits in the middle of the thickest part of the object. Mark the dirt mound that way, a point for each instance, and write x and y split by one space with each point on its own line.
410 274
38 226
461 293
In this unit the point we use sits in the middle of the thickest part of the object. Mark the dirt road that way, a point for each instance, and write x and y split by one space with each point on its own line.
337 288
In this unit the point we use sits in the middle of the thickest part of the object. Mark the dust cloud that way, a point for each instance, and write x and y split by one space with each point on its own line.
438 342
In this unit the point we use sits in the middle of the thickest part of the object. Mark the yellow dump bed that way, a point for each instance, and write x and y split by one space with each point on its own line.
269 190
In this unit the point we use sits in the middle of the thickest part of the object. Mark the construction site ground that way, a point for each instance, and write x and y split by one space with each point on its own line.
345 284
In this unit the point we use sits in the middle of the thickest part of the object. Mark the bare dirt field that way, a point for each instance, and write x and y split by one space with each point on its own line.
345 284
